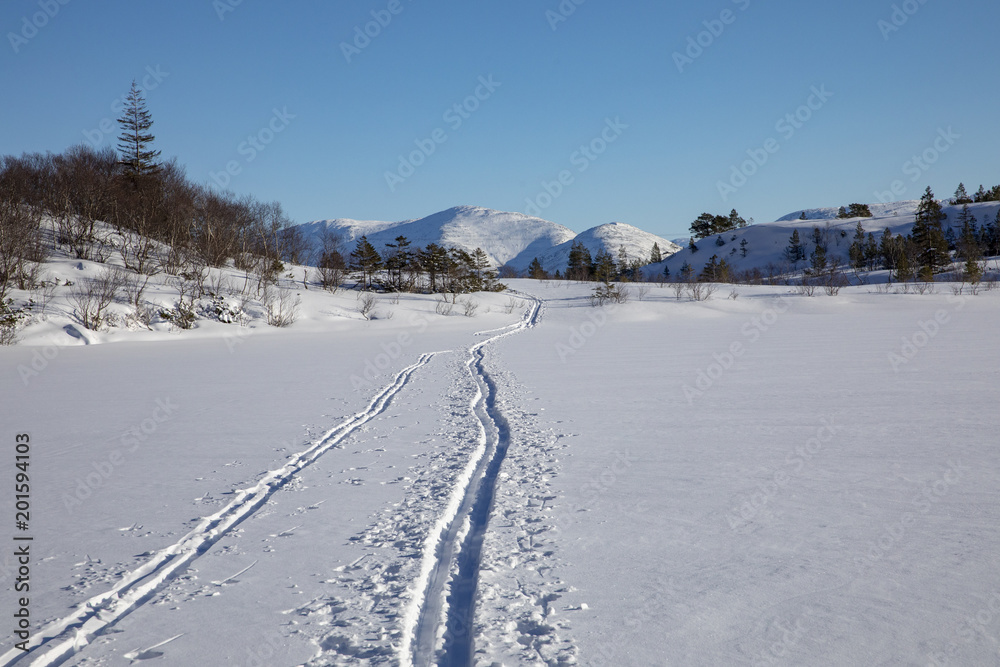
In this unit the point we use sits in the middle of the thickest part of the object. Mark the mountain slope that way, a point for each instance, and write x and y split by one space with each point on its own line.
509 239
610 238
504 236
766 242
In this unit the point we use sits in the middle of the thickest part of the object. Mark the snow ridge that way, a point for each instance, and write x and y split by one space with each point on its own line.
141 584
428 621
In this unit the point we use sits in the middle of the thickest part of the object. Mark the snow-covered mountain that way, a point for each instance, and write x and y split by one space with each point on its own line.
510 239
766 242
506 237
610 238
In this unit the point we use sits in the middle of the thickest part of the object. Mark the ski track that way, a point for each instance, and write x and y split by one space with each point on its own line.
437 623
137 587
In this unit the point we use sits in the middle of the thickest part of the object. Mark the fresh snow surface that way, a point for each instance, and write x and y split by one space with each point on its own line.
771 479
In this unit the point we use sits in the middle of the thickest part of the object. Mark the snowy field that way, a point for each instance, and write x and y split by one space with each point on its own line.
768 480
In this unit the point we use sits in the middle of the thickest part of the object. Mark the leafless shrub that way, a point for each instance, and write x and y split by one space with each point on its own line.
806 287
734 293
641 291
469 307
443 306
608 293
678 288
512 304
92 296
282 306
366 304
701 291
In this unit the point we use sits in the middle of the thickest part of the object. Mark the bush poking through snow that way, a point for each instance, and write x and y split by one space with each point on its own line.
469 307
443 306
92 296
608 293
10 317
282 306
366 305
701 291
512 304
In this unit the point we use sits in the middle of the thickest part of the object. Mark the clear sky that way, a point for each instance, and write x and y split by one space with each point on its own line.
666 99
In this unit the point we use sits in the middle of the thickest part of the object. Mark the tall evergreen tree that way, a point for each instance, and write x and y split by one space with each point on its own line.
981 195
536 271
365 259
794 252
135 139
605 269
655 255
580 262
961 196
932 247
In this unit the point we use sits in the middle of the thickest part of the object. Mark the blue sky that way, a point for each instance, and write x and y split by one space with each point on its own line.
587 111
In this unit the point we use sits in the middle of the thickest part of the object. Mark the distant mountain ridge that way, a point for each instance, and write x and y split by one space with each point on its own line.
509 239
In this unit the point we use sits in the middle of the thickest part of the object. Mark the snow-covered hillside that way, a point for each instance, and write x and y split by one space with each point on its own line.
766 242
506 237
511 239
610 237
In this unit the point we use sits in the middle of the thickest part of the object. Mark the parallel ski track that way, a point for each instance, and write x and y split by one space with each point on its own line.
451 554
71 633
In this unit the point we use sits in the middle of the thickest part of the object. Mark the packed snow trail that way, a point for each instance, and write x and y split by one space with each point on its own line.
444 596
137 587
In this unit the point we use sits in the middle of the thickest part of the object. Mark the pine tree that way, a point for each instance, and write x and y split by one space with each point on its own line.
719 241
743 247
927 235
856 252
710 271
803 216
842 213
871 252
655 255
580 262
981 195
969 249
604 266
365 259
961 196
817 261
536 271
686 272
794 252
691 246
134 142
398 257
